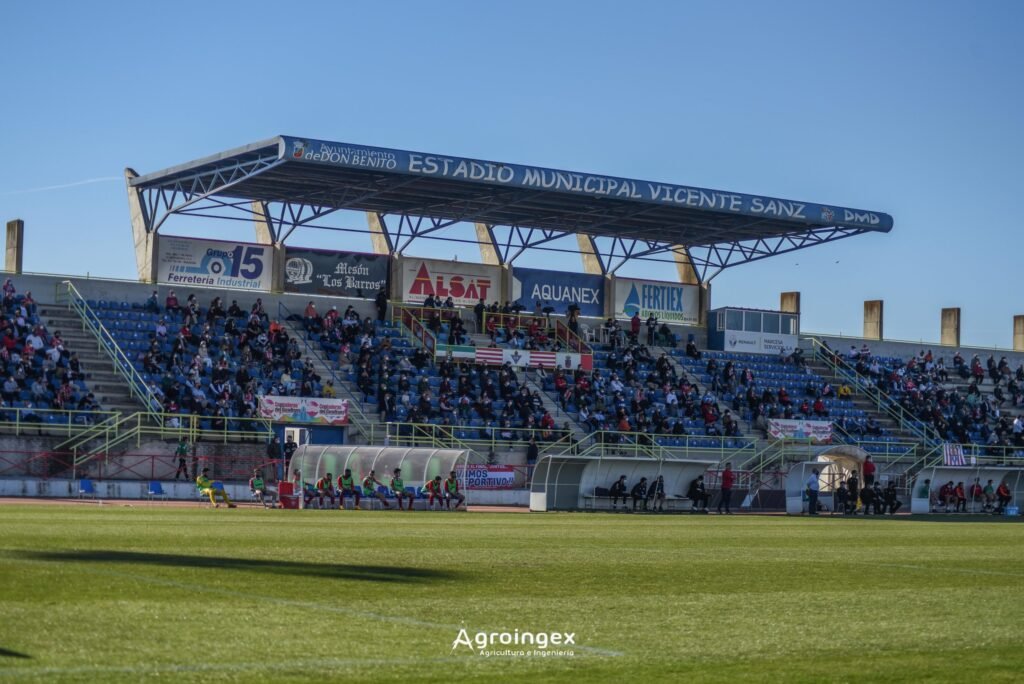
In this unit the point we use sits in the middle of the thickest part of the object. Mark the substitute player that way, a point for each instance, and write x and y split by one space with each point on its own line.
204 485
325 487
451 492
370 484
433 490
347 487
398 487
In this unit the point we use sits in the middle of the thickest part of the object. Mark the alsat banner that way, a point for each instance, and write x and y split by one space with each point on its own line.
304 410
466 284
669 302
212 263
559 289
337 274
817 431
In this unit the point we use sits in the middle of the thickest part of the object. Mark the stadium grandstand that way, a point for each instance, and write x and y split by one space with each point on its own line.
247 352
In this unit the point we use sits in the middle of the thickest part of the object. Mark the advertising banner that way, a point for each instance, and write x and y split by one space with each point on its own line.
559 289
497 356
337 274
817 431
488 477
586 184
669 302
759 343
466 284
212 263
304 410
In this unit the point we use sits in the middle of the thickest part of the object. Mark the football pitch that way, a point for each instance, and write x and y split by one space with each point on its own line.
122 594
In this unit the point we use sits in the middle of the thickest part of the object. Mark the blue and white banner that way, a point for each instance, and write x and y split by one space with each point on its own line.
559 289
591 185
669 302
211 263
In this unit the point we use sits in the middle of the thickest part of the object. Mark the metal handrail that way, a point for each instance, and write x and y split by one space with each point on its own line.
137 385
69 427
882 401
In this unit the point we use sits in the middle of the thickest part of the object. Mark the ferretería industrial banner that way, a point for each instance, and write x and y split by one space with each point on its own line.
669 302
465 283
212 263
559 289
337 274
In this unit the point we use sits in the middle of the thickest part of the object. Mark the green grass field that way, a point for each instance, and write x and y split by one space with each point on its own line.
114 593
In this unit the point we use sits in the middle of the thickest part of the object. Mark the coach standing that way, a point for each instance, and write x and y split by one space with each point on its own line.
728 478
812 492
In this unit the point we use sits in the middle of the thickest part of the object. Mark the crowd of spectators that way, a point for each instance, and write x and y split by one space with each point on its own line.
41 374
927 389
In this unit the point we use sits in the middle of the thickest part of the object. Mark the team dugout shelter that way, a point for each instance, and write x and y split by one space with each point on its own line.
286 183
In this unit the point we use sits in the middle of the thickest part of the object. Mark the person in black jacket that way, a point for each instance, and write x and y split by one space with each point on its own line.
892 503
639 493
656 493
533 452
853 484
382 304
697 495
618 491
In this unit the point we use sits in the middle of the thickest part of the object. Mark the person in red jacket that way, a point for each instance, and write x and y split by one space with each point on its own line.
728 479
961 498
869 471
1003 496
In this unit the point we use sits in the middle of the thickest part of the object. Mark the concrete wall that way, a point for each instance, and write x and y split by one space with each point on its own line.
905 350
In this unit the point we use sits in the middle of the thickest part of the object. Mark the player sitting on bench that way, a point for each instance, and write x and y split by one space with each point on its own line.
451 492
697 495
370 484
398 487
618 491
325 487
347 487
433 491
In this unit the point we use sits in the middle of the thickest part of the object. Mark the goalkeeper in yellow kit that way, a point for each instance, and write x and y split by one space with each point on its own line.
204 485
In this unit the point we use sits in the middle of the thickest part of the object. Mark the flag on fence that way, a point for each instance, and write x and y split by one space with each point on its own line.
953 455
489 355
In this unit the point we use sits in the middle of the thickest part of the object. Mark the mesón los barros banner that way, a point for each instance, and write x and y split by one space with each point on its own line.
212 263
304 410
337 274
669 302
817 431
465 283
559 289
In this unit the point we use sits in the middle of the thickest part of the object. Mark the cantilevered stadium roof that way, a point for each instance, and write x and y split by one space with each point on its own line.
296 181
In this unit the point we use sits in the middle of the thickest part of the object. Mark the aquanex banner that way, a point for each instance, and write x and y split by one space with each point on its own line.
337 274
590 185
559 290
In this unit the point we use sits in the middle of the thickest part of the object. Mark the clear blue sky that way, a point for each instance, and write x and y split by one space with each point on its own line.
912 108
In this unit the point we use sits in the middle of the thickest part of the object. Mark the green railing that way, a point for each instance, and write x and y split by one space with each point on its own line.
68 294
51 422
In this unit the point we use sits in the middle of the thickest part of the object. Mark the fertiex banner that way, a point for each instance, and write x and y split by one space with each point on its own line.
559 289
488 477
759 343
817 431
303 150
211 263
304 410
466 284
669 302
338 274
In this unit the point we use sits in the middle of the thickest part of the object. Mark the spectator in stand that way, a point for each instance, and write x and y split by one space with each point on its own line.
652 327
152 304
634 328
171 303
728 479
381 302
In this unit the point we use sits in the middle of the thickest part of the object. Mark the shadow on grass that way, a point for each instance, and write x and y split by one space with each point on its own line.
369 573
4 653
